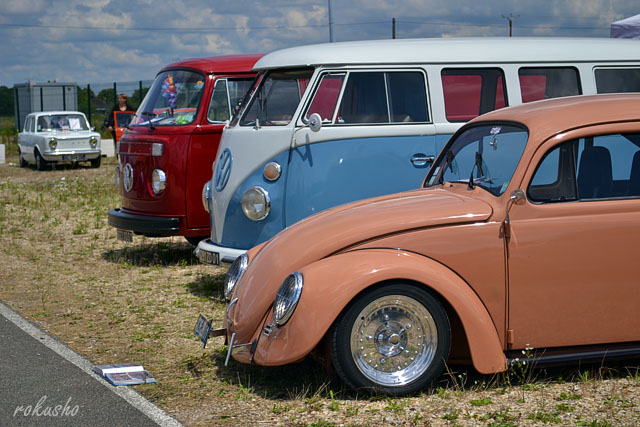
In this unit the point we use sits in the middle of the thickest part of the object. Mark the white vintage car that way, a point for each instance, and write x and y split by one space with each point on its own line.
58 136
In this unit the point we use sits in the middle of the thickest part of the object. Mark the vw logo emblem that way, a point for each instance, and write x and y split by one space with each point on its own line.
127 177
223 169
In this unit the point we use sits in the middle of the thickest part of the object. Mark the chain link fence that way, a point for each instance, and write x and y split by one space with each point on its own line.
98 99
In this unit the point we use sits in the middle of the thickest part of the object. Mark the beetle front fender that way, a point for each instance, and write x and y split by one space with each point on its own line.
331 283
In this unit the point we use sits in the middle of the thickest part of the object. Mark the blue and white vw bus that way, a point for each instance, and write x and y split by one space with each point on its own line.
333 123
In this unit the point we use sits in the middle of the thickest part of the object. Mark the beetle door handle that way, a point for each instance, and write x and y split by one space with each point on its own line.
420 159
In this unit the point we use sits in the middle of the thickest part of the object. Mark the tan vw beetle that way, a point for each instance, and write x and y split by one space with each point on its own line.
526 234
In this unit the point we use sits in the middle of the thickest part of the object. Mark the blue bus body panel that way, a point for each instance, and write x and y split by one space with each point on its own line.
327 174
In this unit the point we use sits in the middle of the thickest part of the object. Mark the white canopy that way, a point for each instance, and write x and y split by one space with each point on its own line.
628 28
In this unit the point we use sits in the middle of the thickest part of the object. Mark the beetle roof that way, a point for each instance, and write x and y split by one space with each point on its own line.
561 114
456 51
219 64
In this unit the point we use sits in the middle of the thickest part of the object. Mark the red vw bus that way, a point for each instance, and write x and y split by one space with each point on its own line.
167 152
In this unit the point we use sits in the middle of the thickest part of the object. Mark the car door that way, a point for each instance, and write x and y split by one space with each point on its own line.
26 138
572 254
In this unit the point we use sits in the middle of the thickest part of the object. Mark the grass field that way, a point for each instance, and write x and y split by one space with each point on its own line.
112 302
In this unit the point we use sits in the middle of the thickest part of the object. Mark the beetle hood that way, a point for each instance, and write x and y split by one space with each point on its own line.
337 229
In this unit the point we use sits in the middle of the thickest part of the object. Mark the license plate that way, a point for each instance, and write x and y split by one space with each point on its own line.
208 257
124 235
74 157
202 329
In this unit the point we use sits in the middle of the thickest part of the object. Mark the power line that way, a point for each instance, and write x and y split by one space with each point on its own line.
186 29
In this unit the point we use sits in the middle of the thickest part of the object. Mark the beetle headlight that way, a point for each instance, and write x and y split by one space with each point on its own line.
93 142
206 194
256 203
287 298
158 181
53 143
234 273
116 177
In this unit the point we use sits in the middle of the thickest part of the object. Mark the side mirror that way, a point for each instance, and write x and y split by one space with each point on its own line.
315 122
93 128
517 197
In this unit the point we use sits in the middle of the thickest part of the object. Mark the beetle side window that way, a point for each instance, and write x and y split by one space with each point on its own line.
593 168
616 80
471 92
548 82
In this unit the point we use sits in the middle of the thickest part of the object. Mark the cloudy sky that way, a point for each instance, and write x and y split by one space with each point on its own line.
101 41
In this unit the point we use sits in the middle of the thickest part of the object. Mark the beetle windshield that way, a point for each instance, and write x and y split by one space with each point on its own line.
172 100
485 155
275 100
59 122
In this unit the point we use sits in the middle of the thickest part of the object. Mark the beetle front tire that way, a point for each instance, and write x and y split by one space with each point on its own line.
41 164
392 340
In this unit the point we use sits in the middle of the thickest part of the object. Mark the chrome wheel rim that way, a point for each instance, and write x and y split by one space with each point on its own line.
394 340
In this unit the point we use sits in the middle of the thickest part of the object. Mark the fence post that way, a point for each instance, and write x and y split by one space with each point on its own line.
89 103
17 103
41 100
64 98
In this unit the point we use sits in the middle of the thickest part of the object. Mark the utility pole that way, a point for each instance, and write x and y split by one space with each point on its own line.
393 28
511 17
331 39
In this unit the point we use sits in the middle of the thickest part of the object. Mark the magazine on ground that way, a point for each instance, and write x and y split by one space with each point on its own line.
124 374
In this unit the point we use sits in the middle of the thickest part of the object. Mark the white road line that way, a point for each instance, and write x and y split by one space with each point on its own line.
131 396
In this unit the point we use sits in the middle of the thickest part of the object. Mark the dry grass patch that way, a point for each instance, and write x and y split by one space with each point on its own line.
62 267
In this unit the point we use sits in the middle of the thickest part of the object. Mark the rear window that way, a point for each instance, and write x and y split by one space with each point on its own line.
471 92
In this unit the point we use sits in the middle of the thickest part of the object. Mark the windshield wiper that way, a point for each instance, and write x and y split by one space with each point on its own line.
150 115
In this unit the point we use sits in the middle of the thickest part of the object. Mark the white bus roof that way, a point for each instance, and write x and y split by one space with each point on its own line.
455 50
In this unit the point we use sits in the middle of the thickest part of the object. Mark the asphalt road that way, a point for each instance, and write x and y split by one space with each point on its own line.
44 383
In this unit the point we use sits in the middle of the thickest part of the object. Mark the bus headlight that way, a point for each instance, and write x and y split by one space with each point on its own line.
256 203
206 194
158 181
287 298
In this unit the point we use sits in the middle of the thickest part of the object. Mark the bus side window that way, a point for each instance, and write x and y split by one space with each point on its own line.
326 97
384 97
548 82
471 92
612 80
219 107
